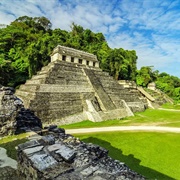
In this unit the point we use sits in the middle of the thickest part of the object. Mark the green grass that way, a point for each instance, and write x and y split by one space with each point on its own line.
148 117
171 106
154 155
10 142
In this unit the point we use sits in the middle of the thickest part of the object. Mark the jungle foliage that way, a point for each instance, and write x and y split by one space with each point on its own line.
26 45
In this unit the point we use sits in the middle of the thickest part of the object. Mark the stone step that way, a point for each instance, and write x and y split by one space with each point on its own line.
25 94
71 82
57 106
48 67
66 111
36 81
66 103
126 98
120 92
71 76
56 114
64 71
58 96
102 73
116 90
65 88
39 76
68 77
25 97
29 87
109 84
105 78
43 72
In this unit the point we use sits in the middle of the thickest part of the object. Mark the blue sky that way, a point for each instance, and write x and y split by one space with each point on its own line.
151 27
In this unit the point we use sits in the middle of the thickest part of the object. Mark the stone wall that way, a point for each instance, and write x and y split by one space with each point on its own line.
9 105
60 156
14 118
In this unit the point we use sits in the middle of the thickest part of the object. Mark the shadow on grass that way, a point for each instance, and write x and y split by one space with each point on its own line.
132 162
10 147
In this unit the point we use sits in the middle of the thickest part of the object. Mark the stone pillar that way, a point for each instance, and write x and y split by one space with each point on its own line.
91 63
84 62
97 64
76 60
68 58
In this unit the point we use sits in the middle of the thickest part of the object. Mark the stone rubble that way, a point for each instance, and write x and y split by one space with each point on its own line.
60 156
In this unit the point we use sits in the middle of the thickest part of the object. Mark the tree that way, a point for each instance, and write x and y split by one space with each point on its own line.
122 64
144 76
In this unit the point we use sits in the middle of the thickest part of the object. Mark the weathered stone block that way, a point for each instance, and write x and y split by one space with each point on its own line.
42 161
66 153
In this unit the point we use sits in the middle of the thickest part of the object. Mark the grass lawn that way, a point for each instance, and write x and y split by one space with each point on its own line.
154 155
148 117
171 106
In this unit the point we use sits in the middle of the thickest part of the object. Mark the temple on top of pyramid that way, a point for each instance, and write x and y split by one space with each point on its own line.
67 54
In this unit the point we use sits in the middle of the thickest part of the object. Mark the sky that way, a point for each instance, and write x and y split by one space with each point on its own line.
150 27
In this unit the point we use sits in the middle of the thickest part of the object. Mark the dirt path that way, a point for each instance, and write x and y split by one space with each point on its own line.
169 109
124 128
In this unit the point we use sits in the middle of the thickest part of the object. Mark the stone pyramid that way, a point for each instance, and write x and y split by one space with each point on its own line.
73 88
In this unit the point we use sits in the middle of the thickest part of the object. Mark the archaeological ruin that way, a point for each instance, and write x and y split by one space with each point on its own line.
73 88
60 156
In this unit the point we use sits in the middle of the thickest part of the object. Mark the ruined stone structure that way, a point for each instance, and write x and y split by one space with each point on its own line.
9 105
135 100
59 156
152 86
151 96
73 88
159 97
14 118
